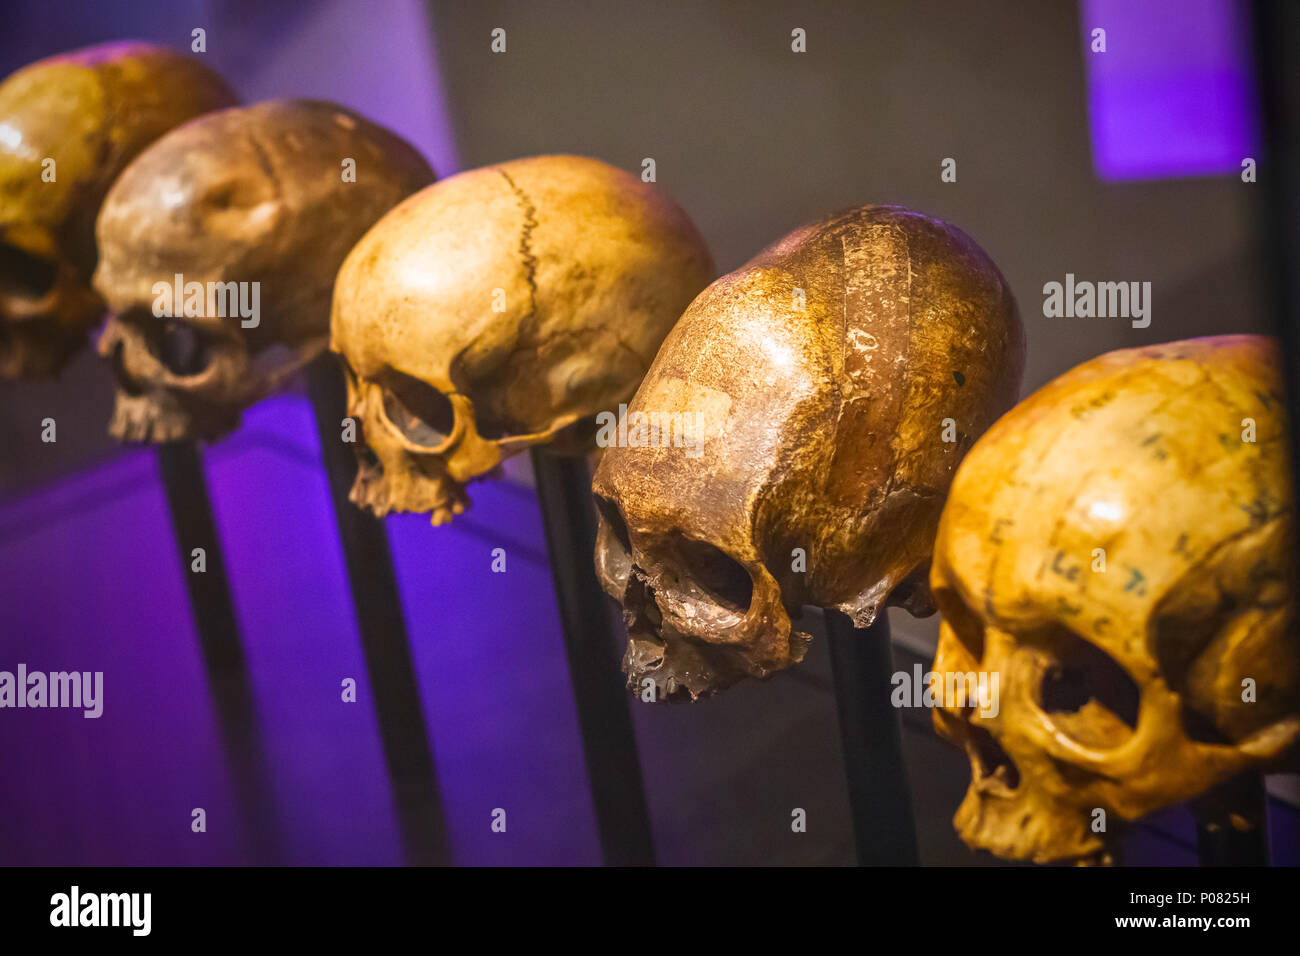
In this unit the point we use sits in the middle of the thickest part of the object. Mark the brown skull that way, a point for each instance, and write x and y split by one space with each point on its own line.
497 309
828 388
251 202
90 112
1120 558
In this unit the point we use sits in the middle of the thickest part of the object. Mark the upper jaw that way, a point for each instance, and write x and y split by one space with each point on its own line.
441 497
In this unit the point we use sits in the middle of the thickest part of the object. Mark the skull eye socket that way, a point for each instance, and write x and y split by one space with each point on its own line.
1083 676
25 276
421 413
721 578
366 456
613 548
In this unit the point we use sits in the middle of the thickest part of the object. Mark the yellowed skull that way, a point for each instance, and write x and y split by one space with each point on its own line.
498 309
68 126
826 391
1117 550
218 251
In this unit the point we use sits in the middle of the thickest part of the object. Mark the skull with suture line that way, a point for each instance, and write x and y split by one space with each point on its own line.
831 384
69 125
257 204
1117 550
502 308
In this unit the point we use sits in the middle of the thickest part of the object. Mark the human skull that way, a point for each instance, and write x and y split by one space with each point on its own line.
498 309
828 389
89 112
1120 558
255 203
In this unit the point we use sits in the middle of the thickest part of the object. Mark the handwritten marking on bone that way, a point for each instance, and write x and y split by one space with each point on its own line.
1137 582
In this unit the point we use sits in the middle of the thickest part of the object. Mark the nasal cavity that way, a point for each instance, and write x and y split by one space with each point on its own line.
614 546
614 519
367 460
183 349
992 759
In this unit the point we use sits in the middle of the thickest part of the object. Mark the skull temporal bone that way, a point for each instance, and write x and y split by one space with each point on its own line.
499 308
91 111
823 372
1120 682
254 195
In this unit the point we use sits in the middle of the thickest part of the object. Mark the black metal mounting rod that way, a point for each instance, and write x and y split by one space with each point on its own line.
880 800
599 689
181 468
382 630
1232 823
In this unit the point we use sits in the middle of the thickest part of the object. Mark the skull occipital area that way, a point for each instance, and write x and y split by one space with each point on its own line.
1117 552
68 126
831 384
502 308
243 210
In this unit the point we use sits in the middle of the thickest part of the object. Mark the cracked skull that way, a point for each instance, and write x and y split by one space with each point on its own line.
823 394
218 251
68 125
1117 552
502 308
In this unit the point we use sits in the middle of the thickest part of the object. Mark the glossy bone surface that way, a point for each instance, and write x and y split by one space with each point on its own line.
219 247
502 308
1116 553
827 390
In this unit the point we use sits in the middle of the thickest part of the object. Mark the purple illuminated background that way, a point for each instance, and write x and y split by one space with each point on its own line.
504 735
1173 94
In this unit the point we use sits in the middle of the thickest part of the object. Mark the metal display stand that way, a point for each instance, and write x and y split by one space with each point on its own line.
186 490
880 800
384 642
1231 823
608 741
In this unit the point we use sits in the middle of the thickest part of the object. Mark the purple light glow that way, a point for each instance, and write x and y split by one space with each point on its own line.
1173 95
92 582
487 651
